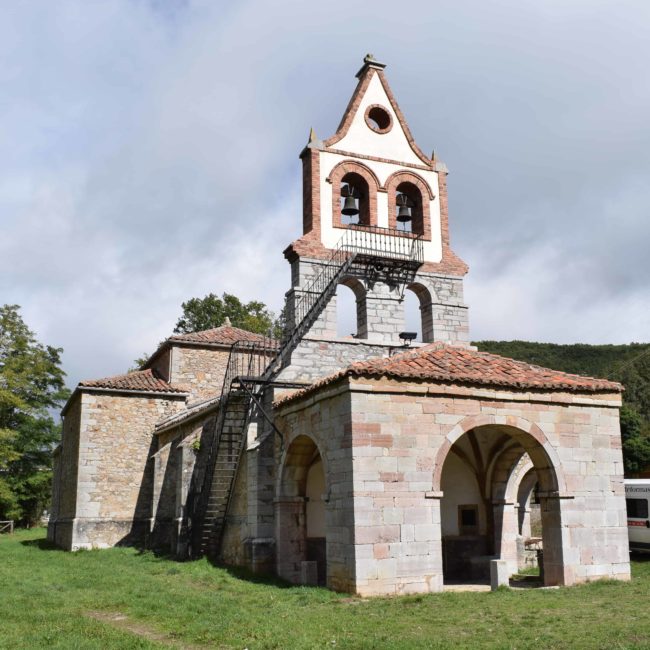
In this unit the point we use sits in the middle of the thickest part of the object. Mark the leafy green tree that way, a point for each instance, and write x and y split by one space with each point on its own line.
205 313
628 364
636 442
31 383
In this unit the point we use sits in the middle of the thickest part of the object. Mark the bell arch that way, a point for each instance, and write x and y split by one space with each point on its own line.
418 192
300 513
354 173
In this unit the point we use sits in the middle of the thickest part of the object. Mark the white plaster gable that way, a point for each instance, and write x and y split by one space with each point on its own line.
361 139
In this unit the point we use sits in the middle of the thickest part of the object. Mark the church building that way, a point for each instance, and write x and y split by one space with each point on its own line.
371 464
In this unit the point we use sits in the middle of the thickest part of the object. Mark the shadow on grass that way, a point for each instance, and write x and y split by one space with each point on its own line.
639 556
241 573
43 544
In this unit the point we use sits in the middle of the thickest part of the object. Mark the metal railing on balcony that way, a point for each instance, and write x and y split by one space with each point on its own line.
385 243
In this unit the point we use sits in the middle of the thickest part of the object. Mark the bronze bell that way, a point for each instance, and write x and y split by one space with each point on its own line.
350 207
403 214
403 210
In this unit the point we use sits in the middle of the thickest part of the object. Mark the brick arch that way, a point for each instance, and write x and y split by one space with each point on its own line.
335 177
422 186
526 433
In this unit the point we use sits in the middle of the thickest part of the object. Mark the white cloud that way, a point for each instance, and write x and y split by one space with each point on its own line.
151 156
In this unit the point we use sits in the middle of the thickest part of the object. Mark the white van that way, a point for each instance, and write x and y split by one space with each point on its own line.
637 500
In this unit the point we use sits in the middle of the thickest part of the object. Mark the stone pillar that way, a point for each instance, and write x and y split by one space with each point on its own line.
450 323
444 314
260 545
385 314
290 537
302 273
505 533
557 569
426 320
499 574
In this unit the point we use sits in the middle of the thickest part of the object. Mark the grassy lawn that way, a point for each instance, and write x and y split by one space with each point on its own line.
121 598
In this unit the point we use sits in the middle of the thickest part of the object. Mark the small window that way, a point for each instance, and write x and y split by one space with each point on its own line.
637 508
468 520
378 119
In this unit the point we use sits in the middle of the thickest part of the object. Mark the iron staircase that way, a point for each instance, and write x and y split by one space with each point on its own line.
253 366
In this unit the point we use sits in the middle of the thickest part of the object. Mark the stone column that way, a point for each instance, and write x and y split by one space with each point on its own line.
260 474
557 570
385 314
290 537
505 533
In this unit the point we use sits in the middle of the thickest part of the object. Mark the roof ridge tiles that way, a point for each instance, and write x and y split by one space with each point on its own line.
454 364
147 380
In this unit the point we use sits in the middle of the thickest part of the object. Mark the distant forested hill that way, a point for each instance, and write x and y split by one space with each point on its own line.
629 364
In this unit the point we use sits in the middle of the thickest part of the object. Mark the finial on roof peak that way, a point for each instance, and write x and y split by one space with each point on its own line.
369 61
314 142
226 322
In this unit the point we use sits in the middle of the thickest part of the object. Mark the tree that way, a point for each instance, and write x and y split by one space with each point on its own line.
31 383
636 443
205 313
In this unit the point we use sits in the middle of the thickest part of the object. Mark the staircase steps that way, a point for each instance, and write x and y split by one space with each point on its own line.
257 364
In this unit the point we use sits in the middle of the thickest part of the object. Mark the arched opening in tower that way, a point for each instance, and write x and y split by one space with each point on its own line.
351 319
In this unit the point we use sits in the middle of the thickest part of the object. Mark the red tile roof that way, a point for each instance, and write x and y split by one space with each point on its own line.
225 335
452 364
140 380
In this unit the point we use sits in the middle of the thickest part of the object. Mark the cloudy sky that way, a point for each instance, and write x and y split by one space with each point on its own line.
150 154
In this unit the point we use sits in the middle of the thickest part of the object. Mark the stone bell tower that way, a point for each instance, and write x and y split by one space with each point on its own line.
370 190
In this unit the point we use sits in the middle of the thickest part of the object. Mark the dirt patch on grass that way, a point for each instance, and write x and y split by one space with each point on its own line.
122 622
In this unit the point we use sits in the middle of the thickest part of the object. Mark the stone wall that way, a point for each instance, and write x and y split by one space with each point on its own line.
175 463
327 423
161 364
114 487
199 369
315 358
66 467
380 308
391 456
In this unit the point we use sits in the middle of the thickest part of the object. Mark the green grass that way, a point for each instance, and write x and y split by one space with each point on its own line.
48 599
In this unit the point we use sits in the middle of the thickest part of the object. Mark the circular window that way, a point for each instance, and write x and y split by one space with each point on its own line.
378 119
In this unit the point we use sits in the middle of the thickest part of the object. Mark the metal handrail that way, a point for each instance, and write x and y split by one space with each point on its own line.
262 358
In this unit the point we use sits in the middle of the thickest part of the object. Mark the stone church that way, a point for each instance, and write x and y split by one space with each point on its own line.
372 464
